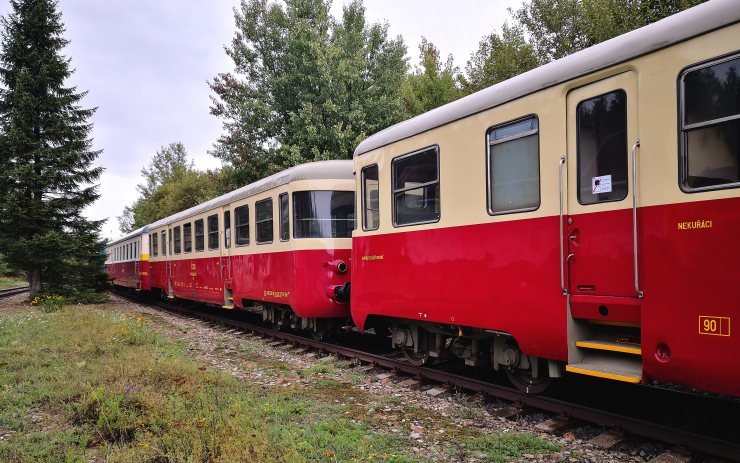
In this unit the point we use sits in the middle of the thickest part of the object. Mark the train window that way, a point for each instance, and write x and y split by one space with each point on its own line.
263 220
136 250
187 237
323 214
710 124
514 167
241 222
178 247
284 217
227 229
169 241
164 242
370 198
213 231
601 141
416 187
200 242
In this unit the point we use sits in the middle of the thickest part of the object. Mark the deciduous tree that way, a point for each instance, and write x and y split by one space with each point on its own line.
306 86
499 57
557 28
432 84
171 184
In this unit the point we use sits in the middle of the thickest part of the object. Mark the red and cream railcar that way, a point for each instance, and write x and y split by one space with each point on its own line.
280 246
127 263
581 217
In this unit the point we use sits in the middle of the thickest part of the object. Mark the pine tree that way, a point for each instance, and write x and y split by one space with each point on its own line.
46 156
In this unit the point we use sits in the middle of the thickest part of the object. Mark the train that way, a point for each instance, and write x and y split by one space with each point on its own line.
578 219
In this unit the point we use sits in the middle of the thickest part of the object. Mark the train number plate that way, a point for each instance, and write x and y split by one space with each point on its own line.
714 326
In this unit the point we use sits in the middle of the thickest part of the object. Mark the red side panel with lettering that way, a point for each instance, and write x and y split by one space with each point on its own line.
499 276
688 272
294 278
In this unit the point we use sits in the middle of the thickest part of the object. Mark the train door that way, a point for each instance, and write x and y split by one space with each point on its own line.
168 262
225 258
600 231
600 227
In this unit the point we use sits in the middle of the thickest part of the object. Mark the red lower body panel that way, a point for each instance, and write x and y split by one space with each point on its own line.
500 276
295 278
690 272
505 276
129 274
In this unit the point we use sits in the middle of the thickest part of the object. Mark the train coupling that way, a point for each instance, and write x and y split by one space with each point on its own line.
339 293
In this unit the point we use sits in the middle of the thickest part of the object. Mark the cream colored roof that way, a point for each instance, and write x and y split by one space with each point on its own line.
677 28
341 169
133 234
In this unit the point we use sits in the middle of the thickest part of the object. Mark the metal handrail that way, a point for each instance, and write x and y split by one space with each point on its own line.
640 294
562 253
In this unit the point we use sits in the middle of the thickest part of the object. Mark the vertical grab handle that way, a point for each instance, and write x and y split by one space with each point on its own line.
640 294
561 162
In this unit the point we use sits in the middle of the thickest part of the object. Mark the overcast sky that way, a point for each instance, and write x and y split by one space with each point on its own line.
146 64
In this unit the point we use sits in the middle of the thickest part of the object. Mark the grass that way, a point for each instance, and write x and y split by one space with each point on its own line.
12 282
83 384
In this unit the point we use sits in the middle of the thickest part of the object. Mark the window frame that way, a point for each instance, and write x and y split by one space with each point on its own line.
227 229
284 227
236 227
154 244
628 177
164 241
258 222
437 150
364 196
489 206
185 240
208 232
683 159
202 235
177 241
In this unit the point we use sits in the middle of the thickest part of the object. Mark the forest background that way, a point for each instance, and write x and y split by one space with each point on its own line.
308 86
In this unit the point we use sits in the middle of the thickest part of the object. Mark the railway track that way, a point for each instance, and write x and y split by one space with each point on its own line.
13 291
563 411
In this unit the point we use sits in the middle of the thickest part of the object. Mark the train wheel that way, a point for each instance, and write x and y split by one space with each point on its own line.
523 380
324 331
416 359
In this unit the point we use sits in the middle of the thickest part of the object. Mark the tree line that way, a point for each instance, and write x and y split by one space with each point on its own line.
305 86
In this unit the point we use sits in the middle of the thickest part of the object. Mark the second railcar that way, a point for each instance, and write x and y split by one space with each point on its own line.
280 246
127 263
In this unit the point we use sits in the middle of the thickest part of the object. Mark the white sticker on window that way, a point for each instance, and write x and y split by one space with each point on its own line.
601 184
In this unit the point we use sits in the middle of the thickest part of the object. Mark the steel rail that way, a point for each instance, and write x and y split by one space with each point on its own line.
696 442
13 291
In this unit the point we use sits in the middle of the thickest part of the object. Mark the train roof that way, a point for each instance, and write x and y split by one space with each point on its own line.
673 29
338 169
137 232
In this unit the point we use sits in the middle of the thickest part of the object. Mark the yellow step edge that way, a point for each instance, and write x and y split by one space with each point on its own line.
599 374
227 306
611 323
230 298
599 346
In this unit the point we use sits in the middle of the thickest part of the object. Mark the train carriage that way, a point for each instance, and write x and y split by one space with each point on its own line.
280 246
580 217
127 263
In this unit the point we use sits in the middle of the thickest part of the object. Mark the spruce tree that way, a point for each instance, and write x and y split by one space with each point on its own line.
46 157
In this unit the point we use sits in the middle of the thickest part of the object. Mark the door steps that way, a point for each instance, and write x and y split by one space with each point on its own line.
610 352
227 306
611 346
